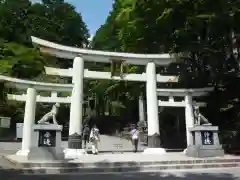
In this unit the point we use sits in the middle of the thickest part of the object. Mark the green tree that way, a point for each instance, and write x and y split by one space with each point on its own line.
14 20
58 21
106 36
19 61
200 34
53 20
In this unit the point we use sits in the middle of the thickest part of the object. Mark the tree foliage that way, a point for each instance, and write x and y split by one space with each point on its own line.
58 21
54 20
201 34
18 61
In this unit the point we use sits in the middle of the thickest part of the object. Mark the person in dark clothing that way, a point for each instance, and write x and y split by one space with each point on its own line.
86 132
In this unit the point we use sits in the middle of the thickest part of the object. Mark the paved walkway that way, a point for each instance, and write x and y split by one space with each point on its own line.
107 143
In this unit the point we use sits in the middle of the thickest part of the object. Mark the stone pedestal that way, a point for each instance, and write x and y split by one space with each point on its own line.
204 142
154 141
46 143
154 145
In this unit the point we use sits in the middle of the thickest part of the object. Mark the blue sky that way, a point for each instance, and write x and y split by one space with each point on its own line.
94 12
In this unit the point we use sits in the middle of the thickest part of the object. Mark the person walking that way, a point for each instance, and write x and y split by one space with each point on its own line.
135 137
86 132
94 139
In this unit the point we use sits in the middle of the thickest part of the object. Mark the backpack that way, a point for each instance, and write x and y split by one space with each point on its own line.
135 134
95 135
86 131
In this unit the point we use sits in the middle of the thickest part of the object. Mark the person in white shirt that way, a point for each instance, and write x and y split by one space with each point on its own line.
94 139
135 137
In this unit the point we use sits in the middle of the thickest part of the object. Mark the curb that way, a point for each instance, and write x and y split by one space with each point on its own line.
47 170
126 164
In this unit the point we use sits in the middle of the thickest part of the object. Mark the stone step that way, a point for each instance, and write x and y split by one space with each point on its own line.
134 162
106 164
126 165
137 168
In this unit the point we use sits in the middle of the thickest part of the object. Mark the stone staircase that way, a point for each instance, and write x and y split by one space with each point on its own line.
127 162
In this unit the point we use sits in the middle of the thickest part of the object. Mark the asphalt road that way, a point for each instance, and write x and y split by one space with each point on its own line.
207 174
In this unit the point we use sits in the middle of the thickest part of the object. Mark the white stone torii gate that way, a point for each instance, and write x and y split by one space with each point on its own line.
77 73
187 103
106 75
171 93
31 98
30 105
76 88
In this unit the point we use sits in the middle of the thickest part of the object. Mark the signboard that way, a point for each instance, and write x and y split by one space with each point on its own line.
19 130
207 138
47 138
5 122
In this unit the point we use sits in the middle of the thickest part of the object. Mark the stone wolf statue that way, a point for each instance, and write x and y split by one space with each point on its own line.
199 119
52 114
